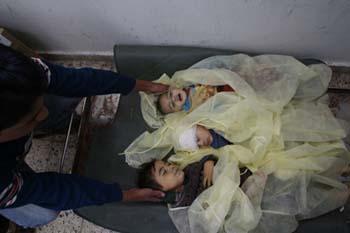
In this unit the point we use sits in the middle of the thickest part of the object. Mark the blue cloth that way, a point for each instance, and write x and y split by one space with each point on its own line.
29 215
52 190
187 105
218 140
72 82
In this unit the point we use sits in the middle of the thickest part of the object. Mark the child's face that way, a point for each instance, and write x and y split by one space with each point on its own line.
172 101
168 175
204 137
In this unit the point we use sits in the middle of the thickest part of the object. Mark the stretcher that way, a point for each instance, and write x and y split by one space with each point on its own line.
98 151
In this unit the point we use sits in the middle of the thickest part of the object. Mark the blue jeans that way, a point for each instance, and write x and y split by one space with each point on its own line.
29 215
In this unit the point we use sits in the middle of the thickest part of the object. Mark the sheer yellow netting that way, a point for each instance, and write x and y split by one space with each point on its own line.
281 127
301 183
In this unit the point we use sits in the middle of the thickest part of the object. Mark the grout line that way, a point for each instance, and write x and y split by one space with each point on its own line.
82 226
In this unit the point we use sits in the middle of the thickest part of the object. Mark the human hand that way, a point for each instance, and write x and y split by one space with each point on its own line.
145 194
150 87
208 173
203 135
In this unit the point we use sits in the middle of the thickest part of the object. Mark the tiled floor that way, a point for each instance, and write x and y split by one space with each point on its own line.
46 152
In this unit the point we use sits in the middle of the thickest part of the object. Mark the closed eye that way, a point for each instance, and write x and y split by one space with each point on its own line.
171 102
171 105
162 172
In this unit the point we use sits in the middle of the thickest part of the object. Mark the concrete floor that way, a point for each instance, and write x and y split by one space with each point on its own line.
46 152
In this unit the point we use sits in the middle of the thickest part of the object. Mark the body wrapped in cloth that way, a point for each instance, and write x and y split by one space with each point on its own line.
280 125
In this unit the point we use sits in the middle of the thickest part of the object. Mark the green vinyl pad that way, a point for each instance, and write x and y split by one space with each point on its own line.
104 162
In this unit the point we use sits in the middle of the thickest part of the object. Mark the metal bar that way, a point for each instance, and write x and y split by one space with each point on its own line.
338 90
66 143
83 139
82 112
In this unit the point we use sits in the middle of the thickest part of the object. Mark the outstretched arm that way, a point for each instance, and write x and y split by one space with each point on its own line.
73 82
145 194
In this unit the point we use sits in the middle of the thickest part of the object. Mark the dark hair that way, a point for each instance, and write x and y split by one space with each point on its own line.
146 177
22 81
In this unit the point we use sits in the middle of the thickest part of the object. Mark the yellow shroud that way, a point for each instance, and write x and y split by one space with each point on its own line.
280 125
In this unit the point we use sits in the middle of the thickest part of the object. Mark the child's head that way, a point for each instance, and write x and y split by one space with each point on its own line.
203 135
22 85
194 138
161 175
172 101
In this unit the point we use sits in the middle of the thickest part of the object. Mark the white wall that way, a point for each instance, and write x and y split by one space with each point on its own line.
317 28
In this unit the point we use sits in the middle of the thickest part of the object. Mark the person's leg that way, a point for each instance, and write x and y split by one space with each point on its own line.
4 224
29 216
60 110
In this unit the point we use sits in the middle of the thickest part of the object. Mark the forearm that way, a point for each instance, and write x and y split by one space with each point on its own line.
145 194
62 191
149 86
72 82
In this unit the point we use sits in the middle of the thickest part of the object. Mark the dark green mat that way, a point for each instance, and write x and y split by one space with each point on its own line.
104 163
